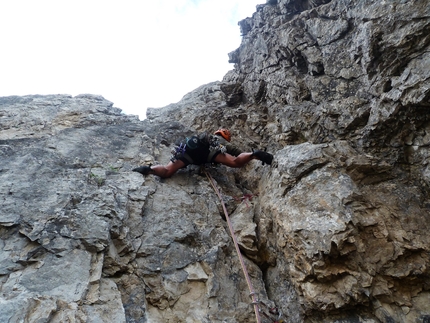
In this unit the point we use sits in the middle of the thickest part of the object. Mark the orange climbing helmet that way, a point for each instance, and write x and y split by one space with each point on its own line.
225 133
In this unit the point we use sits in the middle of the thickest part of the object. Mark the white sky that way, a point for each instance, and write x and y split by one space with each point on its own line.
135 53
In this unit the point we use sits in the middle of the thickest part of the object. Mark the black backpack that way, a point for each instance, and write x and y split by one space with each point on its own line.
202 140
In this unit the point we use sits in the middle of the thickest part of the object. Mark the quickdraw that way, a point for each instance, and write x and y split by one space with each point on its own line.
245 198
178 150
215 145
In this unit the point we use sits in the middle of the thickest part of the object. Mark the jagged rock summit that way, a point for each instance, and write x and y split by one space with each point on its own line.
337 230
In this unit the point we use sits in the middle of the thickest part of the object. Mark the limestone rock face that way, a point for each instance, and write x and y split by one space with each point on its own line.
336 230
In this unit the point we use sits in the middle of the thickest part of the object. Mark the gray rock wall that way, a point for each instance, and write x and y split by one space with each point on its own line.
335 231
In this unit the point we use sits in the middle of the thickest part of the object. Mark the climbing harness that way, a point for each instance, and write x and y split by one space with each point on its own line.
215 146
195 146
178 150
252 293
273 311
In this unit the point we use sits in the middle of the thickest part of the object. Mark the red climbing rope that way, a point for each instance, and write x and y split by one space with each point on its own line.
252 293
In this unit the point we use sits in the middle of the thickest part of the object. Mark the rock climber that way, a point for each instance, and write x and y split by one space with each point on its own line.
205 148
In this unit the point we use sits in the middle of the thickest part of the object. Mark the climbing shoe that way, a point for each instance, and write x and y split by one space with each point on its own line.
144 170
263 156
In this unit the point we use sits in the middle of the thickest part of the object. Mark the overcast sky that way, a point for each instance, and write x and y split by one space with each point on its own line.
135 53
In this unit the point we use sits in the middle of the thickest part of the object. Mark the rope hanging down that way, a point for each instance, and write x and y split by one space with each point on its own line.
252 293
